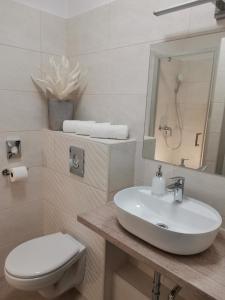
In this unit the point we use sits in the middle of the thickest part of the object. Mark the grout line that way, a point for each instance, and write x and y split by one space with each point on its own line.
24 91
29 49
185 35
115 94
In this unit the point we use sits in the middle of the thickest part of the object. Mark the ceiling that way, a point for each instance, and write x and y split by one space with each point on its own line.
64 8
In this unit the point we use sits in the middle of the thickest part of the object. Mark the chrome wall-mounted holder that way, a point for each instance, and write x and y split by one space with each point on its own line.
6 172
219 8
13 148
76 163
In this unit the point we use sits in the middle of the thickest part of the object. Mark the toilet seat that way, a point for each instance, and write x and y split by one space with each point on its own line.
50 265
42 256
36 283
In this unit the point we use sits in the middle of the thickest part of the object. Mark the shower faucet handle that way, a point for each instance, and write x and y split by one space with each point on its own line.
167 131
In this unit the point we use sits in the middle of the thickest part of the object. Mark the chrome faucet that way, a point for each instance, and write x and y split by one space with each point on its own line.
177 187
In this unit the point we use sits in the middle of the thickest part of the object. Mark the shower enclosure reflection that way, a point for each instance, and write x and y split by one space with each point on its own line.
184 117
182 107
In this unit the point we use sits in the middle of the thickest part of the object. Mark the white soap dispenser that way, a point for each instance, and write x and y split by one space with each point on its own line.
158 183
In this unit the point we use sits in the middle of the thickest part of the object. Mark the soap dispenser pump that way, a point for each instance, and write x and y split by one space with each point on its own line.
158 183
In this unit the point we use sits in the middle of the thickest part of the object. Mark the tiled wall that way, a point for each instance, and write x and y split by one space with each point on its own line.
27 36
109 166
113 41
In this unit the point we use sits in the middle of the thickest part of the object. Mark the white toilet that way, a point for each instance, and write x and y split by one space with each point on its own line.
51 265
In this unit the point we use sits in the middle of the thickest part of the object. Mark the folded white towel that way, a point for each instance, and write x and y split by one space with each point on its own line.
104 131
75 126
86 129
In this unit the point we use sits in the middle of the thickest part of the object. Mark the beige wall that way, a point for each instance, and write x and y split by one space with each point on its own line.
27 36
113 41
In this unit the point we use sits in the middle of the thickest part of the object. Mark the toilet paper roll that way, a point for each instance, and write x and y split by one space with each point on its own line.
18 174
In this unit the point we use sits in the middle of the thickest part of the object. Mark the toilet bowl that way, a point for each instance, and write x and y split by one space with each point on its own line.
51 265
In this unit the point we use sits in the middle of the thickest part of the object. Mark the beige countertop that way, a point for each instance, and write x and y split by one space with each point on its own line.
203 274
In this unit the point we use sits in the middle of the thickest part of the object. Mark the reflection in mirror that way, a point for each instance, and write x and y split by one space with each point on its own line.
185 123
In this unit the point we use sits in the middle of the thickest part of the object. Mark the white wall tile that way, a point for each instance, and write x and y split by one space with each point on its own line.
98 72
53 34
133 22
121 169
19 25
69 195
118 71
18 66
81 39
47 148
22 111
129 70
117 109
27 218
21 193
202 19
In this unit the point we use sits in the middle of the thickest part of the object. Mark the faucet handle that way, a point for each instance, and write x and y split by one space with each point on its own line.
178 180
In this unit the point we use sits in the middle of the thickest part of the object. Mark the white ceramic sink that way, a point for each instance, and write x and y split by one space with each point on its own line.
183 228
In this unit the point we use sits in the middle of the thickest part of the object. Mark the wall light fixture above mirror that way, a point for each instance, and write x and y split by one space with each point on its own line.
185 121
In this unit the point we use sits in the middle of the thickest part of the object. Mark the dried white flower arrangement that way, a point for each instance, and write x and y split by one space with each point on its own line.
60 80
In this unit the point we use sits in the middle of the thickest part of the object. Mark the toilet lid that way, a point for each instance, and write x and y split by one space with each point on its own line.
41 255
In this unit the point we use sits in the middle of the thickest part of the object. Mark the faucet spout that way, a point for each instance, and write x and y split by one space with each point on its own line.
177 187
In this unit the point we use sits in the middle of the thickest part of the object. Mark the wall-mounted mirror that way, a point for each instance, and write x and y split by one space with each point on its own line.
185 120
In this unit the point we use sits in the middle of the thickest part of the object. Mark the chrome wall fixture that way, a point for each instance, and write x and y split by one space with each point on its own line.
76 161
13 148
219 8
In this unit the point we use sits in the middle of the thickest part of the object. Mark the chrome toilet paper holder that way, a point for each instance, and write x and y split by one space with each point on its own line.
6 172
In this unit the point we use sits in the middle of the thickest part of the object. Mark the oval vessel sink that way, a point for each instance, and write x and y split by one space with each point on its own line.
183 228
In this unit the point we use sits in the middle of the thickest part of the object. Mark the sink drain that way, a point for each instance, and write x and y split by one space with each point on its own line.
162 225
